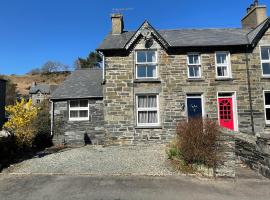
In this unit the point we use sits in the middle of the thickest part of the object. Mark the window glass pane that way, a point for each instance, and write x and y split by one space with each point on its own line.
74 104
194 71
73 113
151 56
141 56
152 101
141 71
267 113
267 98
83 113
222 71
266 68
83 103
142 101
142 117
193 59
152 117
265 53
221 58
151 71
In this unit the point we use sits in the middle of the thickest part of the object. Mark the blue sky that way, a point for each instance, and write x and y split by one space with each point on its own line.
35 31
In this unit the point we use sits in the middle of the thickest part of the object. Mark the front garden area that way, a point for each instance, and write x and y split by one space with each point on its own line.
26 132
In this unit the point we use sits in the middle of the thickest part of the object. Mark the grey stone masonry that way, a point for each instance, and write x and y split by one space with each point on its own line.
172 86
255 152
76 133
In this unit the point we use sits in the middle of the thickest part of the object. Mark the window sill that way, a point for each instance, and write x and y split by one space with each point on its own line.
265 77
195 80
147 81
148 127
224 79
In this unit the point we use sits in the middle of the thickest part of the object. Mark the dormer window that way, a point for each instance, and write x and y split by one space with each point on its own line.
265 60
146 64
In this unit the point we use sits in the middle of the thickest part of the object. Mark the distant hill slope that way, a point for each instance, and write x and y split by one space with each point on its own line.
24 82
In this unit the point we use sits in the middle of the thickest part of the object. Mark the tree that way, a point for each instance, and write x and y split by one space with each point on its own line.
93 60
53 66
20 120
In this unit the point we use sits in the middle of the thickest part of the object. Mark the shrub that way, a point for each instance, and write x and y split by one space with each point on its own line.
42 127
197 141
20 120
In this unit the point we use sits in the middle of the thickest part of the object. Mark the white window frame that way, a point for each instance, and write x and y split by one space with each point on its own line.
146 63
228 65
78 109
264 61
189 64
266 106
147 109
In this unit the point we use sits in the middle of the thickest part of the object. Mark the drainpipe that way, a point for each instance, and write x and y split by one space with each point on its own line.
52 116
249 93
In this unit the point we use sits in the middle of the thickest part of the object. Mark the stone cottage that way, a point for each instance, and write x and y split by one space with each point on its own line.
2 101
77 108
153 78
40 92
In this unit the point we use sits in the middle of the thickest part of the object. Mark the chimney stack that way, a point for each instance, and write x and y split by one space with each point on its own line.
117 24
256 14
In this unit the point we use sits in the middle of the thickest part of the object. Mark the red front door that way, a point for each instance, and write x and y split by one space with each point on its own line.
225 108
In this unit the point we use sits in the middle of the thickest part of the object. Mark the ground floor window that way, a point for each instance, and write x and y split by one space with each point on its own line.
147 110
78 110
267 106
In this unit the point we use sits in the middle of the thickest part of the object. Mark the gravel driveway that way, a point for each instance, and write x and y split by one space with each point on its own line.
140 160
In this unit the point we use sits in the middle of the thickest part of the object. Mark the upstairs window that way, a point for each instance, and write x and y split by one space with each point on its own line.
265 59
147 110
78 110
194 66
223 65
146 64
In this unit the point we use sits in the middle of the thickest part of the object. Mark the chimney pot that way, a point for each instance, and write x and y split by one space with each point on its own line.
117 24
256 2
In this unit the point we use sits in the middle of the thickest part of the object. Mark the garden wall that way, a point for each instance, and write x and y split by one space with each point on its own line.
254 152
226 167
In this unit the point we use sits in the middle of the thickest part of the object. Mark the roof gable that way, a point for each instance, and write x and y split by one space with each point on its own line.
147 32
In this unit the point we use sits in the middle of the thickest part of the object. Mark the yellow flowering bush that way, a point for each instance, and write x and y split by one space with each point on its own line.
20 120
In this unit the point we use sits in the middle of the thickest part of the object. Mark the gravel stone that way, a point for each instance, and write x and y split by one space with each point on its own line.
139 160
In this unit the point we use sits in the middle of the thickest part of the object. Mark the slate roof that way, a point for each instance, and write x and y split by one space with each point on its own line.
83 83
43 88
191 37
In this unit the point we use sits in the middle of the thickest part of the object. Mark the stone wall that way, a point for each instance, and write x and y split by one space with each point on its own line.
172 86
79 132
227 165
255 152
39 96
258 85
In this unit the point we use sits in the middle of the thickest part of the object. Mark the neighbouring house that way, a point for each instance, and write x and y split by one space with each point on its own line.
77 108
2 101
153 78
40 92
